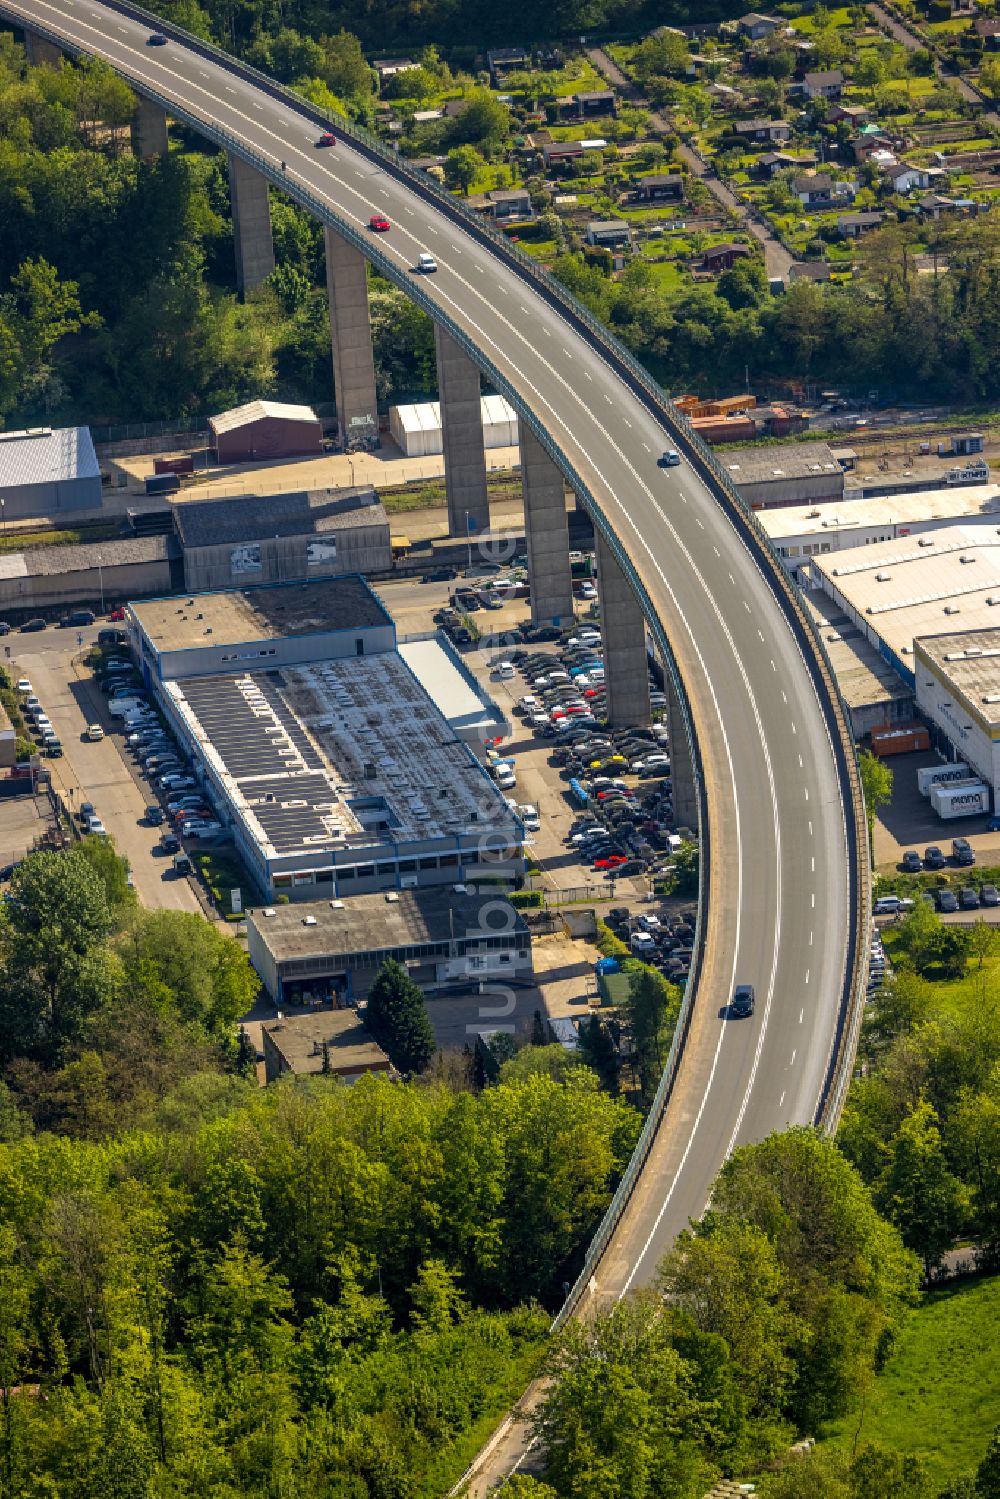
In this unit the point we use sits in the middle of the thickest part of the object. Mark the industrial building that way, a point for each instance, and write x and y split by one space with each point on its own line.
282 538
793 474
873 691
416 430
445 939
800 532
47 579
46 471
334 770
330 1041
471 713
894 591
958 693
265 429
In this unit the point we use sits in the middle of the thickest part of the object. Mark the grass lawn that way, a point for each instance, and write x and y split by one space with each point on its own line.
667 274
17 541
840 16
939 1396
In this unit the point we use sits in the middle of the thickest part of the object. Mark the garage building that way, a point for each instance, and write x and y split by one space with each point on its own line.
282 538
46 470
265 429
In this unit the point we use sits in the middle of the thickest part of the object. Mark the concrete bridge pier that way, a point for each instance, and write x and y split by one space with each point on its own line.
351 335
624 630
546 533
41 52
251 224
462 432
149 130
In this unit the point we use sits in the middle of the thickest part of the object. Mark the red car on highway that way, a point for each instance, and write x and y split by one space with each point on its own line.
327 139
379 223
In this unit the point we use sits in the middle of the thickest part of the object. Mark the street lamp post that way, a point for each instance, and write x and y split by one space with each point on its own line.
468 536
3 516
100 580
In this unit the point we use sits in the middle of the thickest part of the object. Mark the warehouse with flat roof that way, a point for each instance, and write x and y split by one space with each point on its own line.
335 771
945 581
801 532
792 473
958 692
446 939
48 470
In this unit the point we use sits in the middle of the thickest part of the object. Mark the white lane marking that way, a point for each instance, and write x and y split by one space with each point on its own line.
784 699
760 636
781 1100
608 399
633 524
732 580
812 864
647 447
626 421
802 1015
715 549
811 935
808 972
812 900
807 793
800 762
700 522
775 670
746 606
794 1055
810 828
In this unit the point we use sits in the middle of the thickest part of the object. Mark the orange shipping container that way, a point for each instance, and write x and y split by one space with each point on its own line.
900 739
724 428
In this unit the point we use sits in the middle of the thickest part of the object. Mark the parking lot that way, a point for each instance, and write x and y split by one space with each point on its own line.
97 772
907 822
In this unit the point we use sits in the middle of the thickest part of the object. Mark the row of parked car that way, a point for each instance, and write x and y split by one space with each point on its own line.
36 717
962 854
566 685
664 942
164 764
946 899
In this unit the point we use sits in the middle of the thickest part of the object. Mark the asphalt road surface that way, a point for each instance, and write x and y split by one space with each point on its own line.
780 901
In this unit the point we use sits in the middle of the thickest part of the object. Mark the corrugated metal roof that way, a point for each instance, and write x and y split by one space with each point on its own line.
257 411
46 456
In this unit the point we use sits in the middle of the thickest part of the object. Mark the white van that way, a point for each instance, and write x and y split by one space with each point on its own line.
124 705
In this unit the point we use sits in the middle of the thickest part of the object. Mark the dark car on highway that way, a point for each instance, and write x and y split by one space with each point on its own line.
742 1002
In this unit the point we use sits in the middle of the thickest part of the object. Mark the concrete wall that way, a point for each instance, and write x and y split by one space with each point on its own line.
815 488
269 655
358 549
271 437
45 593
25 501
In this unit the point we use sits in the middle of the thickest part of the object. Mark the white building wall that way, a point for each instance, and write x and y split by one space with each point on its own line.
969 737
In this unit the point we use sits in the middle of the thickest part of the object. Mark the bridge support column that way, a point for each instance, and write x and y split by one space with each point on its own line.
624 630
351 333
149 130
546 532
251 224
462 432
41 52
685 796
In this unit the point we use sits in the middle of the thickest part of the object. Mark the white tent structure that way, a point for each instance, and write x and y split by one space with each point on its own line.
416 430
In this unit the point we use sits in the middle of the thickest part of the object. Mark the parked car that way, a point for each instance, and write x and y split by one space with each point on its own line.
32 626
947 901
154 815
968 898
912 863
94 732
989 895
933 857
